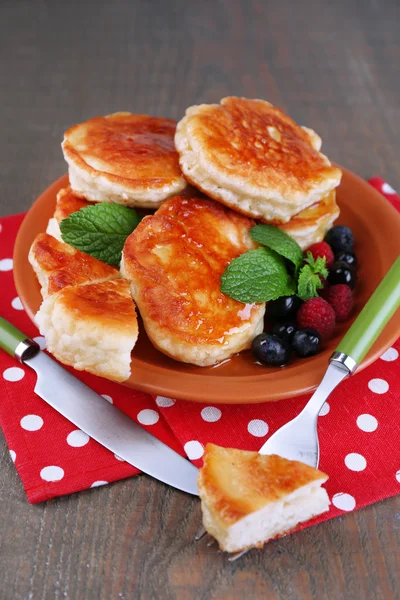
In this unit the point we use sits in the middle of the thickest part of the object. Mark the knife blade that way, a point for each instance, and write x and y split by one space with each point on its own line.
101 420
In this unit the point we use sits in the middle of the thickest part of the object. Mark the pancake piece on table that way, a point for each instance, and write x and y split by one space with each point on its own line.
248 499
252 157
311 225
91 327
124 158
174 261
58 265
66 204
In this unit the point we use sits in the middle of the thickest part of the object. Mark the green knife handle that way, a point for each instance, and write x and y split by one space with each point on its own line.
10 337
374 316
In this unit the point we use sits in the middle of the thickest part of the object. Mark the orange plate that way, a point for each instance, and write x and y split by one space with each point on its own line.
376 227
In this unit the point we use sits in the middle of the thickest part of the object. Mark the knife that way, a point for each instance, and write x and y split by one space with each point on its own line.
98 418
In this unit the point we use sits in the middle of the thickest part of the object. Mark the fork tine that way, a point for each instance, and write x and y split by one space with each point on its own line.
237 555
200 534
210 542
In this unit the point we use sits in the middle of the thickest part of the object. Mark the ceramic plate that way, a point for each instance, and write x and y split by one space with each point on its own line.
376 227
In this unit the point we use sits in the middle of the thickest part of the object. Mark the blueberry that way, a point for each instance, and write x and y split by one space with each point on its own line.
271 349
306 342
340 272
284 330
347 257
283 308
340 238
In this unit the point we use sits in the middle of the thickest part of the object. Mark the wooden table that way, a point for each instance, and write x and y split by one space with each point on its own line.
333 65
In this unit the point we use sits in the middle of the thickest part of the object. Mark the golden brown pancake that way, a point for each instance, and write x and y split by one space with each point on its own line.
174 261
252 157
248 498
91 327
67 203
311 225
124 158
58 265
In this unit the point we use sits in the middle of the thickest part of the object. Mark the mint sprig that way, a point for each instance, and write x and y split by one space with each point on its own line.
100 230
278 240
309 278
257 276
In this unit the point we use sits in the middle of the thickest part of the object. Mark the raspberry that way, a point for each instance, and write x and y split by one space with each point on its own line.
322 249
341 299
317 314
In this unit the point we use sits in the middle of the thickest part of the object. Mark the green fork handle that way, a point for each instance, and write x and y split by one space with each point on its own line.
10 337
374 316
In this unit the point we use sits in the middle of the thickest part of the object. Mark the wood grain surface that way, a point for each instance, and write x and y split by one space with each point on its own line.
333 65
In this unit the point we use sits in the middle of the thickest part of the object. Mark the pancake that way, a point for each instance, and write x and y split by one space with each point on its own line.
124 158
58 265
247 498
174 260
91 327
66 204
311 225
252 157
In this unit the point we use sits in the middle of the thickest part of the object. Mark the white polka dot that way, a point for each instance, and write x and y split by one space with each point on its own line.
257 427
387 189
16 303
211 414
108 398
41 341
325 409
1 227
52 473
390 355
194 449
31 422
164 402
98 483
6 264
13 455
343 501
119 458
355 462
367 422
148 416
378 386
397 475
13 374
77 438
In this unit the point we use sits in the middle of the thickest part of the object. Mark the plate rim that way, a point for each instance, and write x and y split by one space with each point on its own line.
196 387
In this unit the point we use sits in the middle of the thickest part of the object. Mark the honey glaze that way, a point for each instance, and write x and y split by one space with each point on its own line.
177 257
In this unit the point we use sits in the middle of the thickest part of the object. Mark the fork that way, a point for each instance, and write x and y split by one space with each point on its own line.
298 439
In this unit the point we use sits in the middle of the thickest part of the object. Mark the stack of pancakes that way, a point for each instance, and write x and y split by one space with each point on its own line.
247 160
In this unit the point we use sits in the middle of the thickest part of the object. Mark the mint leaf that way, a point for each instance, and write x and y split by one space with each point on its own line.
309 281
317 265
100 230
257 276
278 240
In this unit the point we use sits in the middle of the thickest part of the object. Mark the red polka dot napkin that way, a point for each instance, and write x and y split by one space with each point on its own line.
359 428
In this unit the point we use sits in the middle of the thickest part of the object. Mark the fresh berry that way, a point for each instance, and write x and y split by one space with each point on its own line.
283 308
322 249
341 299
340 238
306 342
317 314
271 349
284 330
340 272
347 257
